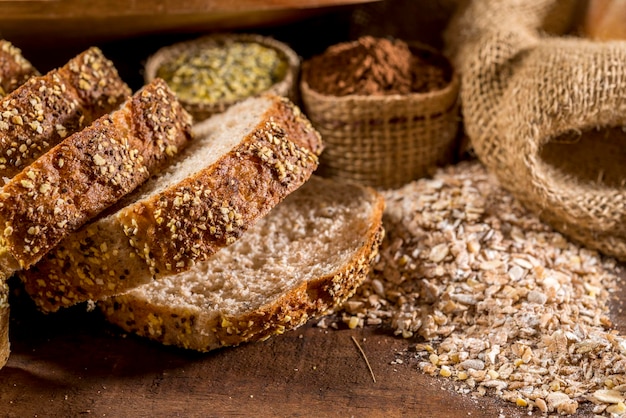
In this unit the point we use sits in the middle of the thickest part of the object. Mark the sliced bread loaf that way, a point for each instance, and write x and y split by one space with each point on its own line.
87 172
305 257
45 109
241 164
15 70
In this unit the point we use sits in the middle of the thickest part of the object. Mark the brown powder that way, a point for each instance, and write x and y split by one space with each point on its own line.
375 66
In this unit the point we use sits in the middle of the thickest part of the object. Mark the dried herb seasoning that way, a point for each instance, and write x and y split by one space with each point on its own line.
224 72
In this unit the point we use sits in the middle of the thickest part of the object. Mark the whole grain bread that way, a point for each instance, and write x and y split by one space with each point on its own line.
48 108
15 70
87 172
241 164
306 257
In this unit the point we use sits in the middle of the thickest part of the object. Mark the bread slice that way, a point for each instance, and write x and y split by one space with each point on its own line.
44 110
242 163
15 70
39 115
87 172
307 256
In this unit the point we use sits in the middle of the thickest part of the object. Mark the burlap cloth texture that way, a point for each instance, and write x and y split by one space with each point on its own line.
202 110
546 113
385 141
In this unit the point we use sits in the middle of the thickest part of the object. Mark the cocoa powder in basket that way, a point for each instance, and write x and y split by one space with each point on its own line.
374 66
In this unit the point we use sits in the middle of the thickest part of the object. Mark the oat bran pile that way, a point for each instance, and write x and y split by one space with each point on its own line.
504 305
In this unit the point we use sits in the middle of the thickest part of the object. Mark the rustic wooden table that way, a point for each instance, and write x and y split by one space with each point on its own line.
73 363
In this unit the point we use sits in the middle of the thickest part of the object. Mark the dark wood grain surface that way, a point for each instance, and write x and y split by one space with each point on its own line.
73 364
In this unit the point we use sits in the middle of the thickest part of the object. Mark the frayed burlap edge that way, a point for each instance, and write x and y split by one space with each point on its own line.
521 90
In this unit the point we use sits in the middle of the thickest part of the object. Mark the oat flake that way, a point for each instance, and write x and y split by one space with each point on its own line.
478 280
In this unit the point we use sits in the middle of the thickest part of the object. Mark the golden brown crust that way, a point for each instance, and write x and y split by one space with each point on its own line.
15 70
46 109
158 118
98 87
187 222
296 307
226 197
89 171
4 324
175 325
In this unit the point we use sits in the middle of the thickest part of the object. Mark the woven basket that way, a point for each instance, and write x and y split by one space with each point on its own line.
201 110
385 141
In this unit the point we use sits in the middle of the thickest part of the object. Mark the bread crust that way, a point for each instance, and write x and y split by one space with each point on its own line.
87 172
201 331
187 222
46 109
15 70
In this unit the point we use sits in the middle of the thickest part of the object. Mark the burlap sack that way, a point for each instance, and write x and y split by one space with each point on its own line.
546 114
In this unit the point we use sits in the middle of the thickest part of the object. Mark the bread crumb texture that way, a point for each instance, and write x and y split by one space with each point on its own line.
304 258
46 109
173 222
87 172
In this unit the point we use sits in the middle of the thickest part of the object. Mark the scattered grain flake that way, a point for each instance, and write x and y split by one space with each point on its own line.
505 305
